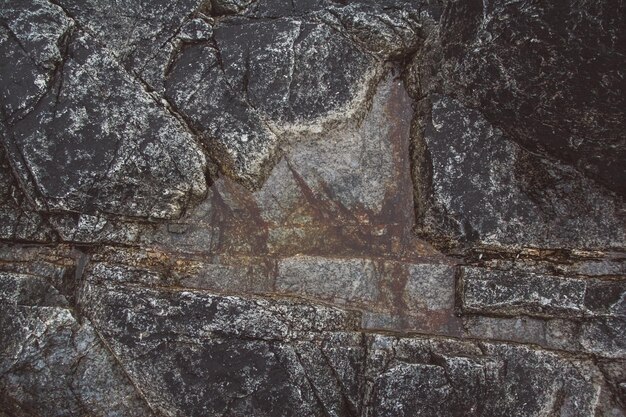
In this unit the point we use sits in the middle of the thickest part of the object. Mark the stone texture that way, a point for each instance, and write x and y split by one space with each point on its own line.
92 144
312 208
510 293
415 377
336 280
32 42
546 74
237 356
481 187
53 364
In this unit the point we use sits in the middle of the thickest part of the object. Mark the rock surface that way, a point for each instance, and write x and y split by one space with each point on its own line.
312 208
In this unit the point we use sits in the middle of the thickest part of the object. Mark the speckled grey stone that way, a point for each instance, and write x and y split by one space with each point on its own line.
312 208
478 186
53 364
547 74
422 377
94 142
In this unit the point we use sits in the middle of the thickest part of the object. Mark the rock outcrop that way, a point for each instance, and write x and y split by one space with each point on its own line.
312 208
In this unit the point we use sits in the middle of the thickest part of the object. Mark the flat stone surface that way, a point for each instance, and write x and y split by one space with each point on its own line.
52 364
332 279
429 287
483 188
513 292
18 220
312 208
134 31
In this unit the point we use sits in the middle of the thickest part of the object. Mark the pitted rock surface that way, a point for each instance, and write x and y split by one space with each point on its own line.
312 208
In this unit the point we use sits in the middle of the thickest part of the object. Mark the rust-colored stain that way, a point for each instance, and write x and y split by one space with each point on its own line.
243 248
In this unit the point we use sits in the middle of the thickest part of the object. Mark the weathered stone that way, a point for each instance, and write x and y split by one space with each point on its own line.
32 39
248 87
248 207
335 280
512 292
413 377
224 354
287 73
240 139
29 290
391 32
604 337
133 32
430 287
52 364
475 185
547 74
94 142
18 221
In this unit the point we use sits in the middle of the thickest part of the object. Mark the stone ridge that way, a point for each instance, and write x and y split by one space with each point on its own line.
312 208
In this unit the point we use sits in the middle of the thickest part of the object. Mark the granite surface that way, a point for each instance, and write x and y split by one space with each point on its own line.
312 208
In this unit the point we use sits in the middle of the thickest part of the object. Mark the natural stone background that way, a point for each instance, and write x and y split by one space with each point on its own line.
312 208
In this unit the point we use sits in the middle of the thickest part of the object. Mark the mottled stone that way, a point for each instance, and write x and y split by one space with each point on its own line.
248 87
391 32
29 290
95 141
133 32
604 337
18 220
512 292
254 207
547 74
32 42
426 377
287 72
429 287
52 364
221 355
475 185
516 329
325 278
606 298
237 135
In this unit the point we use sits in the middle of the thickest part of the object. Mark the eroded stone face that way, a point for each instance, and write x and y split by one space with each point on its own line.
92 143
481 187
548 75
70 370
311 208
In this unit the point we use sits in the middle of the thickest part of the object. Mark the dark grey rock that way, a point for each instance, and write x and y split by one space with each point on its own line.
390 32
100 143
193 353
509 293
253 207
604 337
32 41
237 136
350 280
422 377
547 74
475 185
18 220
51 363
133 32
